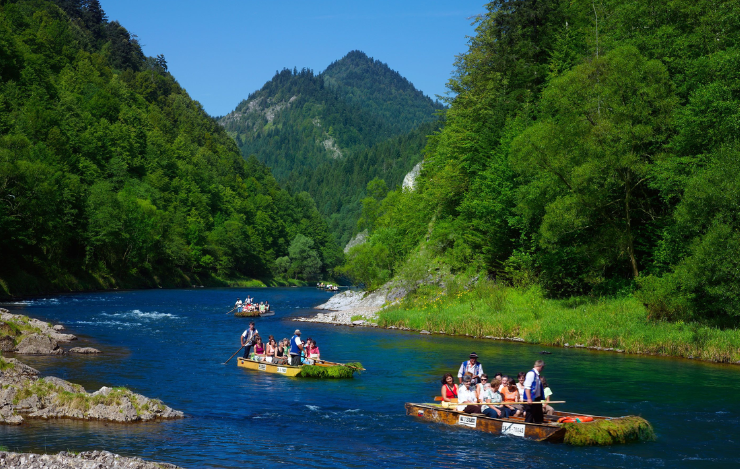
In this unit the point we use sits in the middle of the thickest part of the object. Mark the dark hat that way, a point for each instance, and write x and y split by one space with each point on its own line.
473 355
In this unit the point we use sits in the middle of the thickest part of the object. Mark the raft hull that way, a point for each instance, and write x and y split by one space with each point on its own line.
516 427
254 314
286 370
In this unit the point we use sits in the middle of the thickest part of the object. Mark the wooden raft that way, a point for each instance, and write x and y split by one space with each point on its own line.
550 430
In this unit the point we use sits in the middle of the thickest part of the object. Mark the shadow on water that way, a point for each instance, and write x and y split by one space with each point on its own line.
170 344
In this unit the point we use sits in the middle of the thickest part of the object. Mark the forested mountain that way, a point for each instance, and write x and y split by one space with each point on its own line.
590 148
332 133
111 174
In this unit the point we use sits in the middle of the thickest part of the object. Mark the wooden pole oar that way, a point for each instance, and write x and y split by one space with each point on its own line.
227 361
454 401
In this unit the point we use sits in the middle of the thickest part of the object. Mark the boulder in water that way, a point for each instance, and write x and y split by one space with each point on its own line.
38 344
84 350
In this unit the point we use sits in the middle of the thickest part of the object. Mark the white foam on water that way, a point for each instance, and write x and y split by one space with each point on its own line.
18 303
313 407
109 323
352 410
136 314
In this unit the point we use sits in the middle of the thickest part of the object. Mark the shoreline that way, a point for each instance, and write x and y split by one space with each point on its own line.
347 308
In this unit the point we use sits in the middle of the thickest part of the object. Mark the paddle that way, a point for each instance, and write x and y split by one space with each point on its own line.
454 401
227 361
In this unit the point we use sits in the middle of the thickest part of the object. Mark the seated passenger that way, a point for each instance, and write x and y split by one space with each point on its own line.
510 393
547 408
259 348
449 388
313 351
467 397
271 348
492 396
304 353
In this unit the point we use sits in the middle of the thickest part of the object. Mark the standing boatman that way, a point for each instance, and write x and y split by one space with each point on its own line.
247 339
533 392
295 349
472 366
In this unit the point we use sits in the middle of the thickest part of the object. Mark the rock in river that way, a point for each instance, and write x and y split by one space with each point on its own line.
38 344
85 350
24 394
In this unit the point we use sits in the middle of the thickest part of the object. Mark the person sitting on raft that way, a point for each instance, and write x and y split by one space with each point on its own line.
547 392
449 388
305 359
510 394
467 397
259 348
281 353
492 396
471 366
313 350
267 306
271 348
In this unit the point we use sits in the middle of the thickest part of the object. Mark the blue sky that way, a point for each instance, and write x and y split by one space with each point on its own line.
223 50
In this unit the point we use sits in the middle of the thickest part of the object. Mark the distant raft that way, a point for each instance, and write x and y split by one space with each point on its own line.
254 314
321 369
600 431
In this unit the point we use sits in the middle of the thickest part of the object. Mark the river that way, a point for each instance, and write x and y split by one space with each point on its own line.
170 344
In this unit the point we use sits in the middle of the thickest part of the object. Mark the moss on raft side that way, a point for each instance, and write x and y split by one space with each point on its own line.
609 432
620 323
336 372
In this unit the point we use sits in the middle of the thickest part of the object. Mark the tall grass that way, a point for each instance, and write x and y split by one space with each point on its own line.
620 323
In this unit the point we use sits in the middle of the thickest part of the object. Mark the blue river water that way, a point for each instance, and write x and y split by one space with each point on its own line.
171 345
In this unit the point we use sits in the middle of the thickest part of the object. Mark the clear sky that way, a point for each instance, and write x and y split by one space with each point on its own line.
222 50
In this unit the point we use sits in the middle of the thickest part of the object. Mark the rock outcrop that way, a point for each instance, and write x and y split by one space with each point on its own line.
85 460
38 344
360 238
23 394
409 181
83 350
29 336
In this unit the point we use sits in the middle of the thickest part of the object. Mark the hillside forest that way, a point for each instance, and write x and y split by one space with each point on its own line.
331 133
111 175
590 149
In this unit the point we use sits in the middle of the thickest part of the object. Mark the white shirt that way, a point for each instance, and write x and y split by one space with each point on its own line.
466 395
247 336
532 376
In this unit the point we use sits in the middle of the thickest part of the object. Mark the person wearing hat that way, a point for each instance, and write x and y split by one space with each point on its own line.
471 366
295 349
248 338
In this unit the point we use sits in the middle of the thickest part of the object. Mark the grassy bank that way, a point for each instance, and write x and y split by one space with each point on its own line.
618 323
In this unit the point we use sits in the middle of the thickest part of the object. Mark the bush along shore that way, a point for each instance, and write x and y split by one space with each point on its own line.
491 311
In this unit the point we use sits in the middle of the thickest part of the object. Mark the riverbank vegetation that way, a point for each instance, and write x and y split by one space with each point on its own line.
112 176
616 323
589 151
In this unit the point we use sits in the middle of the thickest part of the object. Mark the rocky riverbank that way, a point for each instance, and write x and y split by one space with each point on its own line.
28 336
25 394
350 308
85 460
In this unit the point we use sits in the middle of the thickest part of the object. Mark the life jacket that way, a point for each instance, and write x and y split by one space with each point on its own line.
536 388
294 349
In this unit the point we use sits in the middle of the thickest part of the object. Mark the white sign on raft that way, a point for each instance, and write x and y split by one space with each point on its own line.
467 421
282 369
262 367
512 429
